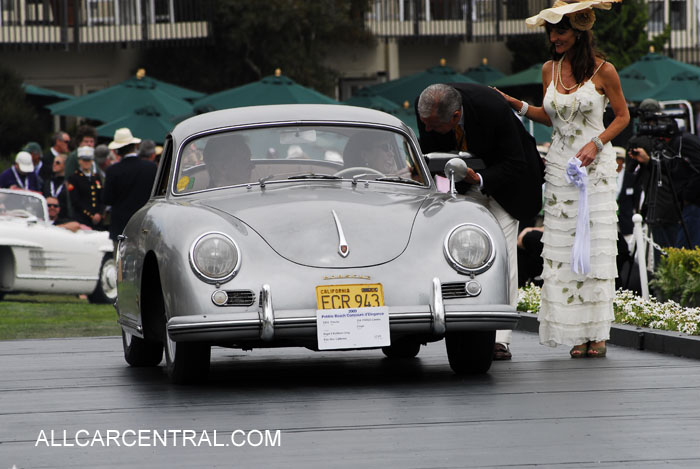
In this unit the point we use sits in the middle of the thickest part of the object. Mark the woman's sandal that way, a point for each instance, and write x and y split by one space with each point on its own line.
579 351
596 351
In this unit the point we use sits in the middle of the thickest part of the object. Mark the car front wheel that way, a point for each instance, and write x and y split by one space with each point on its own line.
470 352
141 352
187 362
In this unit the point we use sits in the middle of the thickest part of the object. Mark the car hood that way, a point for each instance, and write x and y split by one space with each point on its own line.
298 222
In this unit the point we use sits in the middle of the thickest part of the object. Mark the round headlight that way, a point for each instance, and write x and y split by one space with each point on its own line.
215 257
469 249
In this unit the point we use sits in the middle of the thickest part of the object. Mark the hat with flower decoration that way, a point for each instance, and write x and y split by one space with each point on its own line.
580 13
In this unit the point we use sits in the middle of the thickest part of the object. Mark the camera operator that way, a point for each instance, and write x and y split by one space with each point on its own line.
666 169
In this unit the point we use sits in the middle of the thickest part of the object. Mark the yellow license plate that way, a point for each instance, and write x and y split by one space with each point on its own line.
349 296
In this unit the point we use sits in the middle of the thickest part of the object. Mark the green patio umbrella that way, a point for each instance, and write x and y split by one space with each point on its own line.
33 90
366 98
529 76
408 88
635 84
144 123
122 99
272 89
659 69
484 73
685 85
408 116
178 91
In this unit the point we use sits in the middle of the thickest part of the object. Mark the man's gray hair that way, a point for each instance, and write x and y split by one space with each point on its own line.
444 99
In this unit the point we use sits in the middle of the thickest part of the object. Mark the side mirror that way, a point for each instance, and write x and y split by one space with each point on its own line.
455 170
436 161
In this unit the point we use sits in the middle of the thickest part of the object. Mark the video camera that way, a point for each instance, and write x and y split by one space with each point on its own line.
658 123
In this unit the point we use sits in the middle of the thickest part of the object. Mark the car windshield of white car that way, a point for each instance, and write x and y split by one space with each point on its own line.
21 204
293 153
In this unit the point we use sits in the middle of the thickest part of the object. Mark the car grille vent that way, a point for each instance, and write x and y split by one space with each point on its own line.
37 260
240 298
454 290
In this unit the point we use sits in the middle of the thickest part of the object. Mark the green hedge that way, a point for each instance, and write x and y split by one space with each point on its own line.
677 277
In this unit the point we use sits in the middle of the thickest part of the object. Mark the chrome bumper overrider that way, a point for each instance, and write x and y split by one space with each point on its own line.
434 319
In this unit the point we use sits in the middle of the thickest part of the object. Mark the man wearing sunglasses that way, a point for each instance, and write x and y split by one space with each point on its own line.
55 220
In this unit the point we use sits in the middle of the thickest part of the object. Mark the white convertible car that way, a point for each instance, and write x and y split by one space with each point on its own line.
37 257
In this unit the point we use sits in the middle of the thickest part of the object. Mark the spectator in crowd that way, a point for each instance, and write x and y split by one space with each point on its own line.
128 183
85 136
147 150
55 218
34 149
21 174
103 158
56 185
60 144
85 189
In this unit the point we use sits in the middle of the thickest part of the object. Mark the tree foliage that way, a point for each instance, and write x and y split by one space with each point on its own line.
621 33
251 39
18 120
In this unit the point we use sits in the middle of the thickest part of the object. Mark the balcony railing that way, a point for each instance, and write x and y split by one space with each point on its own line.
85 22
495 20
473 20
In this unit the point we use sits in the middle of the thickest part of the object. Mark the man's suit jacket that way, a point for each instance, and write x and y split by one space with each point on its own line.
127 188
514 169
46 170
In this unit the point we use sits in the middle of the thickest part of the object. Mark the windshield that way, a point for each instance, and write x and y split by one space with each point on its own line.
297 152
20 204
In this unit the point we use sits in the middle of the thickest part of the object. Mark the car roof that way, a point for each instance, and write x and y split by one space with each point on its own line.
284 113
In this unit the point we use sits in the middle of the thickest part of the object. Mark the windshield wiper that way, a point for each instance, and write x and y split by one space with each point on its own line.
399 179
314 176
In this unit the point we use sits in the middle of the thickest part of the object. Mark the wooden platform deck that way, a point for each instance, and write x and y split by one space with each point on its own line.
349 409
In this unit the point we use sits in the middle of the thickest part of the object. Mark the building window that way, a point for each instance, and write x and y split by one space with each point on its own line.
678 15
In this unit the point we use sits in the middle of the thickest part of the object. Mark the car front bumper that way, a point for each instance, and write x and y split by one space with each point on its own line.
269 325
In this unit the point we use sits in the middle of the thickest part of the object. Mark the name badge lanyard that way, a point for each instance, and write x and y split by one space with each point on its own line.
20 183
54 192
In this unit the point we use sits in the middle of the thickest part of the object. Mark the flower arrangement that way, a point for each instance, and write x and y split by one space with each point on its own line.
633 310
582 20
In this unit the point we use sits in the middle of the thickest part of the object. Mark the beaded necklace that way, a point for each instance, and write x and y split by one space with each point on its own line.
557 78
562 81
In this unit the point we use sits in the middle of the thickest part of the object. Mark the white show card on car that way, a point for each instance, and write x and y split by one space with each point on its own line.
350 328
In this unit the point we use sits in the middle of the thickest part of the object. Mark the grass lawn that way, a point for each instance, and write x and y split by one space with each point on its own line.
47 316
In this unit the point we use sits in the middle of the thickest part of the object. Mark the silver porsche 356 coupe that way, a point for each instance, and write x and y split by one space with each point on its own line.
313 226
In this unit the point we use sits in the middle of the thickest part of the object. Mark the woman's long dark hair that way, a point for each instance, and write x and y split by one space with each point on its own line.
583 52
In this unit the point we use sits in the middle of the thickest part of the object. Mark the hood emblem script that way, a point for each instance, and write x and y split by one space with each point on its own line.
343 248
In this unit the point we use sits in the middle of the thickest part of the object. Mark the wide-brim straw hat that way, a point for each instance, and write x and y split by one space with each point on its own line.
555 14
122 137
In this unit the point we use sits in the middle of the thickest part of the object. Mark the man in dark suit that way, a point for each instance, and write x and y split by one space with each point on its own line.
475 118
60 145
128 183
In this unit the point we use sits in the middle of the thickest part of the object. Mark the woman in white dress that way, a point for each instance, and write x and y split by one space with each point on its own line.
580 221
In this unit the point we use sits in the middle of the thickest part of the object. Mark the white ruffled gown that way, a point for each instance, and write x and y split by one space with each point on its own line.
577 308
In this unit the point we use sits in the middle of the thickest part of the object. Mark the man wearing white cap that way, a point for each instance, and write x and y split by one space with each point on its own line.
21 174
127 183
85 188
